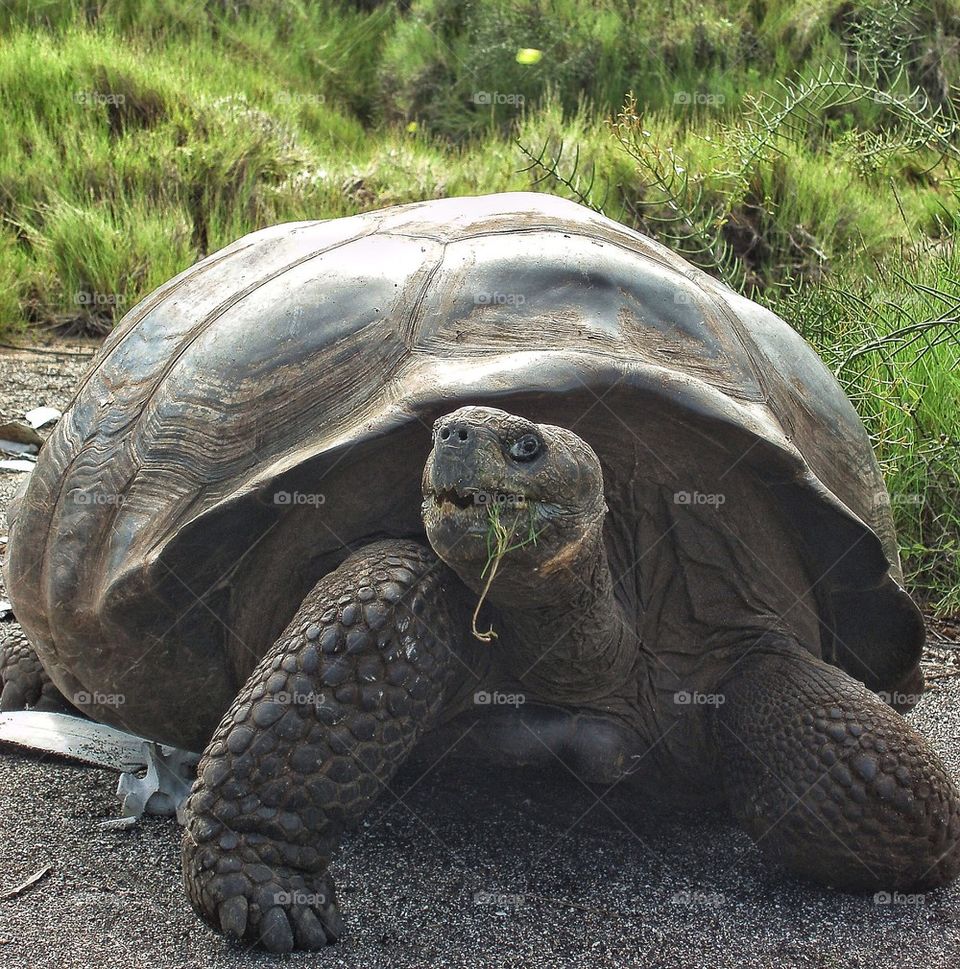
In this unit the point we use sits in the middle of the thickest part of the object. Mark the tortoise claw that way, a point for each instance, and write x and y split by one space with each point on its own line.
308 929
233 916
276 933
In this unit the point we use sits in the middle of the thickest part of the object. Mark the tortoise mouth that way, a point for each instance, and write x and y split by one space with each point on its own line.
477 498
454 513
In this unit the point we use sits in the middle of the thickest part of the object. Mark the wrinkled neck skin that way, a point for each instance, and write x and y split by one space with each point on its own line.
565 638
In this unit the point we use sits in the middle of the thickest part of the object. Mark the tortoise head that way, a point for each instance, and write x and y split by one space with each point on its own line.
496 480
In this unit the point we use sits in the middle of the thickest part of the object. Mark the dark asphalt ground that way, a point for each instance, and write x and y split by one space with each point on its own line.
453 868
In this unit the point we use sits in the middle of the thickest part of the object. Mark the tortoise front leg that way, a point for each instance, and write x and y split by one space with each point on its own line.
829 781
314 736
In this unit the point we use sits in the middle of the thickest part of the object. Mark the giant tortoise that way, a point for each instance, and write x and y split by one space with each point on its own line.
344 486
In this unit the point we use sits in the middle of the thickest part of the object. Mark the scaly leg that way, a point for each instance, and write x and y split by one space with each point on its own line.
313 738
23 680
832 783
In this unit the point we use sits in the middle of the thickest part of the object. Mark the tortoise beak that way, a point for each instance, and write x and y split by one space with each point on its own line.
464 455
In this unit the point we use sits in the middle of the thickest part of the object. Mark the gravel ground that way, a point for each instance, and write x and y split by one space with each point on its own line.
453 868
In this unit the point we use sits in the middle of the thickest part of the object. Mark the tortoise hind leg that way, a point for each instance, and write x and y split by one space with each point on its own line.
23 679
312 739
832 783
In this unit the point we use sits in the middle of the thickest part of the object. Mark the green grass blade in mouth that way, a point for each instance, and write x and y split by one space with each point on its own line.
499 538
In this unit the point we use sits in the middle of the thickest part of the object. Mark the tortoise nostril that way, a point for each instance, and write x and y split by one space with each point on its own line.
455 434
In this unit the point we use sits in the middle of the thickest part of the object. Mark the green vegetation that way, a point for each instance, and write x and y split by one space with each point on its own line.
805 152
892 336
499 543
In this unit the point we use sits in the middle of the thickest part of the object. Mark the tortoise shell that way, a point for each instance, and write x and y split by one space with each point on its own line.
270 408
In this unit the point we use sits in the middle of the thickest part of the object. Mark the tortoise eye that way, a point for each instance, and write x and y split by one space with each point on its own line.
525 448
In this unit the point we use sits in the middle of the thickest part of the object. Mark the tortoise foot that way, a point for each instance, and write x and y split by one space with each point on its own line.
832 783
274 906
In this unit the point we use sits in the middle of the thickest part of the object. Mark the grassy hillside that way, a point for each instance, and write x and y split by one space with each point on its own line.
805 152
